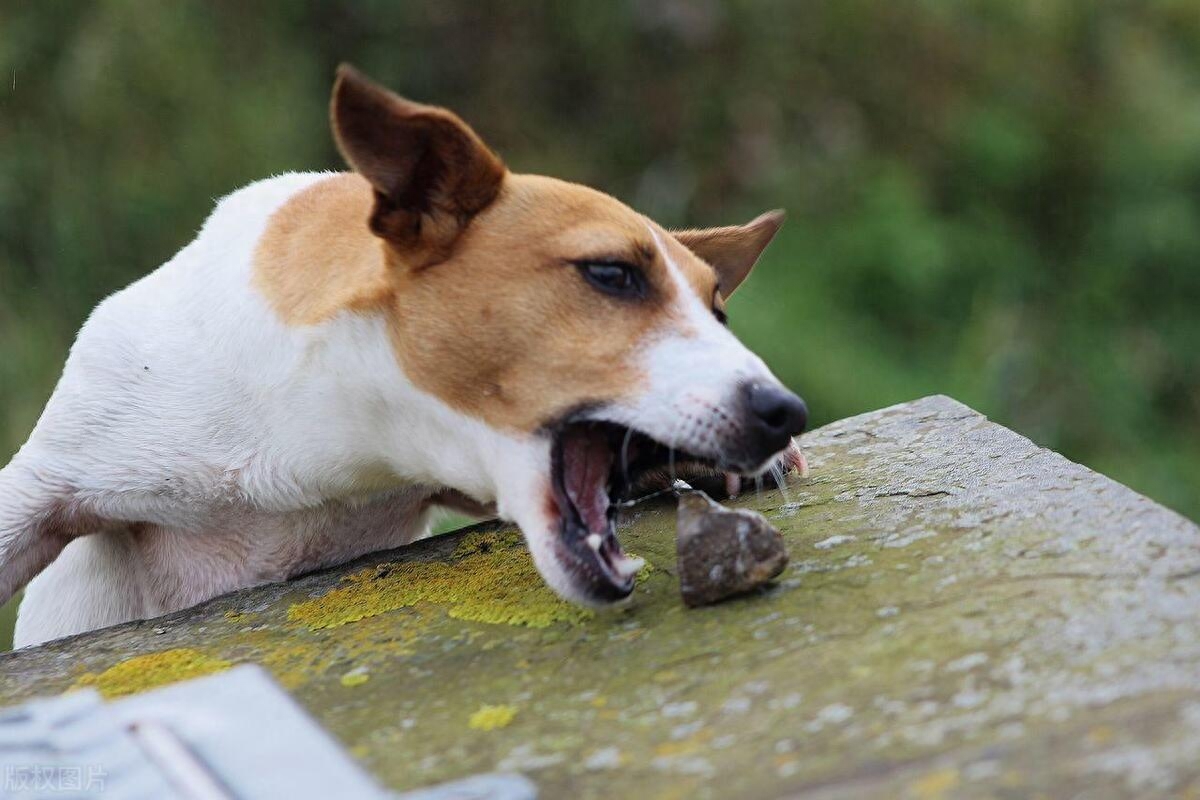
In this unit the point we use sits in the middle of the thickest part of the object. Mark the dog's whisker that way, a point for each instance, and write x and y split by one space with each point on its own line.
625 458
780 477
638 500
733 483
671 443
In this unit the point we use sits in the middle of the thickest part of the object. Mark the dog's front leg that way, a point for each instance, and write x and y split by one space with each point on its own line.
37 519
455 500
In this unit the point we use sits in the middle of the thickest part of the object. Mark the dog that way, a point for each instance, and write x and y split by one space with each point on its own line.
338 354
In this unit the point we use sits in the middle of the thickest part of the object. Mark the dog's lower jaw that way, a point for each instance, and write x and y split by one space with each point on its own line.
525 497
552 558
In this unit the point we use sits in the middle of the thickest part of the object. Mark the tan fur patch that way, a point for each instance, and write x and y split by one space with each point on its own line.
317 258
505 329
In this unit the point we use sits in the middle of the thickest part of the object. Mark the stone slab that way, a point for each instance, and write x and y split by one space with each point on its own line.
965 614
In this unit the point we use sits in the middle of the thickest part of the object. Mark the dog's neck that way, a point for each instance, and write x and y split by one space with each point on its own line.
316 262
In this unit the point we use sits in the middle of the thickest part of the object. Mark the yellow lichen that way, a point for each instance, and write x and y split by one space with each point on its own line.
292 665
301 659
484 542
491 717
674 749
492 579
1101 735
152 670
934 785
355 678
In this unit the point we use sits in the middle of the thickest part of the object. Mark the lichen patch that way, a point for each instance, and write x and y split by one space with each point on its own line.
491 579
489 718
150 671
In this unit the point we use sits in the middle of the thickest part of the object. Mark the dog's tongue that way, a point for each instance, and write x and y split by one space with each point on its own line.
587 462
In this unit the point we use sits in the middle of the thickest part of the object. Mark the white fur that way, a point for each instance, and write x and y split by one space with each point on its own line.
694 371
216 447
252 450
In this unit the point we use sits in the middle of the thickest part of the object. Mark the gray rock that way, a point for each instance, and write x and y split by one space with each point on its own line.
723 552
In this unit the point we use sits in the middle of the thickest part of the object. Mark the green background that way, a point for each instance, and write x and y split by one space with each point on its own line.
993 200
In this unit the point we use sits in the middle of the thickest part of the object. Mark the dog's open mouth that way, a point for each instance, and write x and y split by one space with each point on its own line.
595 466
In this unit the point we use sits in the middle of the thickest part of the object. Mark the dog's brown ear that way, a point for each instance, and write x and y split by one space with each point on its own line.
734 250
431 172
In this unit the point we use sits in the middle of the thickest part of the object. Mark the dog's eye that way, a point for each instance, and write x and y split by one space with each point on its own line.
613 277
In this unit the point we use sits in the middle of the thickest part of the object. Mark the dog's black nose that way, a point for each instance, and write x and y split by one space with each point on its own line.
775 413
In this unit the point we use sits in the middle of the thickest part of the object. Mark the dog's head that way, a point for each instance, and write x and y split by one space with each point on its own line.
582 332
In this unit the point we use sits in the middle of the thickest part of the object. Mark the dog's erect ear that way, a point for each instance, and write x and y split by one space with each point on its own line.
733 251
431 173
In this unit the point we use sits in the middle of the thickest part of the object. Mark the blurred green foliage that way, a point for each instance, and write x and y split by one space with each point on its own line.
995 200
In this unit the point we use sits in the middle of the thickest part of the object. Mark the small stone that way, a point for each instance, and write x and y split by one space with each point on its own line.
723 552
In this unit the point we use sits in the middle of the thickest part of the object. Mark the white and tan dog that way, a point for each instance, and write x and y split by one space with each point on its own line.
335 354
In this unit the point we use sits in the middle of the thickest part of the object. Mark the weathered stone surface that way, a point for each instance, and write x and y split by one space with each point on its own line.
965 615
723 552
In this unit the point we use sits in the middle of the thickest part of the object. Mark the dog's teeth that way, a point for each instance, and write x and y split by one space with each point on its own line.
594 540
629 565
801 463
733 484
795 460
